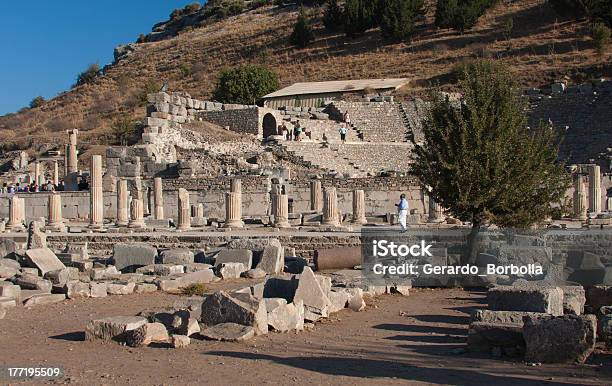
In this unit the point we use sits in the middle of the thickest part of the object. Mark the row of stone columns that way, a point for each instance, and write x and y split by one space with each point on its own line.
582 204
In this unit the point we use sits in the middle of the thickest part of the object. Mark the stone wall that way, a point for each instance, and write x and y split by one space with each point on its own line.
244 120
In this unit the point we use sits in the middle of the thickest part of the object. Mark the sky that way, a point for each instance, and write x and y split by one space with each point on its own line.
45 44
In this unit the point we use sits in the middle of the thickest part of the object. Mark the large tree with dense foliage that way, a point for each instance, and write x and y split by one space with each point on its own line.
302 34
482 162
397 18
245 84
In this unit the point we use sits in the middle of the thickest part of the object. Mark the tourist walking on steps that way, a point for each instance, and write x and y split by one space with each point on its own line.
297 131
402 212
346 118
343 131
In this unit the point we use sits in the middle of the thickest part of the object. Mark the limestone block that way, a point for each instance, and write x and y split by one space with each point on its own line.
229 332
243 309
230 270
146 334
176 256
44 260
484 336
287 317
526 297
180 341
42 299
133 255
9 290
272 260
76 289
113 328
573 299
120 288
243 256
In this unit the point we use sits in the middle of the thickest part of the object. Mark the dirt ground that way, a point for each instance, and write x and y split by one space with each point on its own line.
397 340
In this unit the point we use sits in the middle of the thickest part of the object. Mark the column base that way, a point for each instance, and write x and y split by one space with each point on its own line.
360 221
282 224
234 224
56 227
14 227
122 223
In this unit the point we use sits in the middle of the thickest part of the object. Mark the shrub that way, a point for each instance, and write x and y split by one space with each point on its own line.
302 34
333 18
601 37
37 102
397 18
357 17
245 84
460 14
191 8
596 10
196 289
123 129
507 26
150 86
185 69
88 75
141 38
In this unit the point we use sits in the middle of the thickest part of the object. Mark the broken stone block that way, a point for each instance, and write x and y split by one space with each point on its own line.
161 269
32 282
272 260
143 288
9 290
44 260
6 302
120 288
230 270
195 267
504 317
338 298
254 273
8 272
272 303
41 299
243 256
401 289
129 256
146 334
104 273
97 290
484 337
526 297
176 256
243 309
9 263
229 332
287 317
77 289
83 266
598 296
185 324
180 341
204 276
316 302
58 278
573 299
113 328
559 339
356 302
169 285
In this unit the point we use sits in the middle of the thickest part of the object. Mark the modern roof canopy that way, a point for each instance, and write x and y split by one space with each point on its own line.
338 86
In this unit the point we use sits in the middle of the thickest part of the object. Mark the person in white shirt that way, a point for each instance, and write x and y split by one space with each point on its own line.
402 212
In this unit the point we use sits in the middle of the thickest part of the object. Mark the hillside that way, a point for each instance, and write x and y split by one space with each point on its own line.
542 47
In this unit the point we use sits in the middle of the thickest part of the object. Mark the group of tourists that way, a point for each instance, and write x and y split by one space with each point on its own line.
31 188
298 130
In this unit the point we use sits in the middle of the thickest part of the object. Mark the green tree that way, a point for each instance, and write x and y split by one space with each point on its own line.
333 18
245 84
460 14
88 75
482 162
357 17
302 34
601 37
37 102
397 18
123 128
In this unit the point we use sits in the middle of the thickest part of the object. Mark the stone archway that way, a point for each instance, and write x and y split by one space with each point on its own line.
269 125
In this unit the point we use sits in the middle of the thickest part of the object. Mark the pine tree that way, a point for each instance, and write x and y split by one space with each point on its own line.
333 18
397 18
302 34
357 17
482 162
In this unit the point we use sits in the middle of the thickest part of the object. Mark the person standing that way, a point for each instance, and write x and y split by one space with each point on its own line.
343 130
347 118
297 131
402 212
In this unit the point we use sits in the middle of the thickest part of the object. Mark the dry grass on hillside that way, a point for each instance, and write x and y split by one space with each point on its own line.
540 48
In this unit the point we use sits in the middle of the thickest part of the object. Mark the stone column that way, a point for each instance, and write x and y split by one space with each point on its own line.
580 199
280 210
137 214
316 202
184 217
66 150
37 173
359 207
158 198
435 212
330 207
16 213
200 211
55 174
72 158
146 207
96 195
236 185
122 203
233 210
55 220
594 189
609 204
194 211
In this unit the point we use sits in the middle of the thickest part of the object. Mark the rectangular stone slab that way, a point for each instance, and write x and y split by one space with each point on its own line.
44 260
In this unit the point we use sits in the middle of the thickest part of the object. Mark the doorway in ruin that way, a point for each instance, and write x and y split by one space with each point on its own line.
269 125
